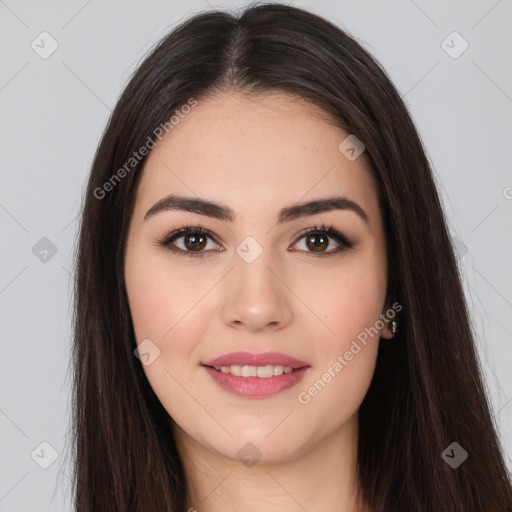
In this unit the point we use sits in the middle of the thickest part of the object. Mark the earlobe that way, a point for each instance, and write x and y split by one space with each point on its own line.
389 331
390 328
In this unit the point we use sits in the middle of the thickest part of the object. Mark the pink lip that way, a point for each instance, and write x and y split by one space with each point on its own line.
256 387
245 358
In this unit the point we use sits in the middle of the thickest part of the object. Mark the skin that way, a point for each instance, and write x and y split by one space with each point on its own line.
258 156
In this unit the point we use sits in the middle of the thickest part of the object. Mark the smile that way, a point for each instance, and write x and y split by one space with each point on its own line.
263 372
244 381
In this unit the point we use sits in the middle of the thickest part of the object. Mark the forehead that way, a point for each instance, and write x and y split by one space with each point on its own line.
252 153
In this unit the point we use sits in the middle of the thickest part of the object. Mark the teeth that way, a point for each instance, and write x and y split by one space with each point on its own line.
255 371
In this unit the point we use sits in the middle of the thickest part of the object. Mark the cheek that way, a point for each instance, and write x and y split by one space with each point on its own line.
168 306
161 298
334 394
346 356
347 351
152 304
166 311
352 302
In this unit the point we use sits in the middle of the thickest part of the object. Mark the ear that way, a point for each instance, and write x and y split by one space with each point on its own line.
386 332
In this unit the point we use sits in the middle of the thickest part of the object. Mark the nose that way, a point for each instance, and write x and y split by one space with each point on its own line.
255 295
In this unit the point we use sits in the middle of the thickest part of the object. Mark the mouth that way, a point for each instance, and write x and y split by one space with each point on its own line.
255 381
255 375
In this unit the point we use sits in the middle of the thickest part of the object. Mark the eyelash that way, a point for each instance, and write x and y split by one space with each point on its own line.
340 238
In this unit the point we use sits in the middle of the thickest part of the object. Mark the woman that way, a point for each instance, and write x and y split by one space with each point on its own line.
268 309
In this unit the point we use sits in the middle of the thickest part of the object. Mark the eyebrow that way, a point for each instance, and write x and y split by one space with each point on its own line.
225 213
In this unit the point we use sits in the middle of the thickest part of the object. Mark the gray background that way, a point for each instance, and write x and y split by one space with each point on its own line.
53 112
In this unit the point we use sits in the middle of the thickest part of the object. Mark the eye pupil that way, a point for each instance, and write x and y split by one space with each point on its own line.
315 245
194 240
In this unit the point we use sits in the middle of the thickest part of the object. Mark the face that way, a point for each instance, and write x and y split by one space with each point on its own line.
256 283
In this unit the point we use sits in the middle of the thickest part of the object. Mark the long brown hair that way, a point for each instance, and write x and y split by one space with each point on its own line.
427 391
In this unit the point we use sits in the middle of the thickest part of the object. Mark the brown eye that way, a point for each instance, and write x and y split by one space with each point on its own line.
317 242
195 242
189 241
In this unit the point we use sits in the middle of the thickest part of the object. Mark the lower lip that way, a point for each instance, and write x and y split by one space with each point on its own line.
256 387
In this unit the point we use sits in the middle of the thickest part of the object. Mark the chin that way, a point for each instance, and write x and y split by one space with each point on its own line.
260 449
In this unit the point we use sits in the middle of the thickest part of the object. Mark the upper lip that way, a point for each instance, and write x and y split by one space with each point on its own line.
245 358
